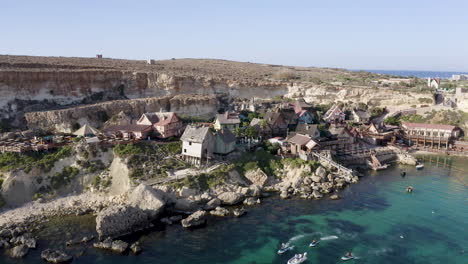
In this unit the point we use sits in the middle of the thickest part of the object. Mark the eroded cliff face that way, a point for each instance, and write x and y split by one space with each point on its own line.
95 114
373 96
26 91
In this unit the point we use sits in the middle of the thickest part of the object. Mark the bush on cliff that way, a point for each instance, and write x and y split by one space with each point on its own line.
64 177
10 161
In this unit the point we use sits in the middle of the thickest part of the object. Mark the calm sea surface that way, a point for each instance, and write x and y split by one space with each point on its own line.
376 220
419 74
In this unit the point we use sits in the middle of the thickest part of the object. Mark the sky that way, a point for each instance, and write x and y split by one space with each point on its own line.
353 34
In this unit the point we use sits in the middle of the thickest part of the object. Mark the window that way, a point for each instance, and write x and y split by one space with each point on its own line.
190 143
185 150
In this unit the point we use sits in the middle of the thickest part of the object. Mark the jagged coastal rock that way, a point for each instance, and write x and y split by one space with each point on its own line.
196 219
256 176
148 200
55 256
119 220
231 198
19 251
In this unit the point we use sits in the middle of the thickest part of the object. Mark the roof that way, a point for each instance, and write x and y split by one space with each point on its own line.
307 129
429 126
299 139
303 112
226 136
228 118
130 127
195 134
289 116
339 131
272 117
362 114
86 130
161 118
334 109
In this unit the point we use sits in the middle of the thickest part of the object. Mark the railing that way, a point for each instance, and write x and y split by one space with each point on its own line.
332 163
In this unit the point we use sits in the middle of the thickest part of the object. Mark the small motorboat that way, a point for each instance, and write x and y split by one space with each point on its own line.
420 166
313 244
345 258
403 174
284 248
298 258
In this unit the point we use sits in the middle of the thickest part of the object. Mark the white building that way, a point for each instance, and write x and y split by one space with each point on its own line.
197 144
433 82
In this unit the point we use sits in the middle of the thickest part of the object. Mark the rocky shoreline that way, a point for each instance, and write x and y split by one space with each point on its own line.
144 206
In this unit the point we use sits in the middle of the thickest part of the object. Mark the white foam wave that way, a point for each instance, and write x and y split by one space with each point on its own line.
328 238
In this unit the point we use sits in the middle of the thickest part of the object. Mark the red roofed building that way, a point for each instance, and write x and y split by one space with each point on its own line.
164 125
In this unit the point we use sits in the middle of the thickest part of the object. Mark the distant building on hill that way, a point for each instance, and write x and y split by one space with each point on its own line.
433 82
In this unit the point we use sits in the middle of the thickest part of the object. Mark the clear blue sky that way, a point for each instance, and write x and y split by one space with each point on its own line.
355 34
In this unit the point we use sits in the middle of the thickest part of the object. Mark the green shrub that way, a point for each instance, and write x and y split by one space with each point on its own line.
63 178
96 181
26 161
1 182
37 195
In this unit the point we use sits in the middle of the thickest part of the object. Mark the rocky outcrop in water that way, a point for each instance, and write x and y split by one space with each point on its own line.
119 220
196 219
55 256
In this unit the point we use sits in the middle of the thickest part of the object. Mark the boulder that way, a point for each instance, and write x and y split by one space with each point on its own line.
147 199
255 190
186 192
119 246
25 239
4 244
316 179
6 234
220 211
317 194
231 198
335 197
250 201
213 203
284 195
321 172
106 244
238 212
185 206
19 251
119 220
196 219
256 176
135 248
55 256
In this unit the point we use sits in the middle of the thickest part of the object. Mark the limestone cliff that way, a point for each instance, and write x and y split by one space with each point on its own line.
63 120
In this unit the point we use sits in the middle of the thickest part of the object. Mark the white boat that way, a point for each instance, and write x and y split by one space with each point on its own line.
284 248
313 244
419 166
298 258
345 258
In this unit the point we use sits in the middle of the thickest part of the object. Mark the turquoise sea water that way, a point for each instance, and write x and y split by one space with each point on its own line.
376 220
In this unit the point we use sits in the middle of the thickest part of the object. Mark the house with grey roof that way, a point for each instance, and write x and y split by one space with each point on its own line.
197 144
361 116
225 142
228 120
308 129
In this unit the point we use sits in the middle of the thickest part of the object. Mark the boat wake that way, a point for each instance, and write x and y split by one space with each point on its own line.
295 238
380 251
328 238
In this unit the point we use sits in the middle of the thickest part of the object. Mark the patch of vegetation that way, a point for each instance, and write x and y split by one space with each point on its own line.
425 100
413 118
60 179
262 159
272 148
392 120
26 161
92 166
297 163
206 180
96 181
376 111
37 195
1 182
